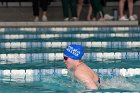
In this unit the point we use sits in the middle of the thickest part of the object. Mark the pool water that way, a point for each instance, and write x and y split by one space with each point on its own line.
31 59
59 80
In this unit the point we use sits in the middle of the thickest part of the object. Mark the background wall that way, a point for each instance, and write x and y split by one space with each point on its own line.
22 11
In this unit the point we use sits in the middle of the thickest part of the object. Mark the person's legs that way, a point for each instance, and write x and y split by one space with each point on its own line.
130 6
79 7
35 5
96 5
121 7
73 7
44 6
65 9
89 12
126 6
92 5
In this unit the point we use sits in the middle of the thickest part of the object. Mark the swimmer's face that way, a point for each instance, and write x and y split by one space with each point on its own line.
68 62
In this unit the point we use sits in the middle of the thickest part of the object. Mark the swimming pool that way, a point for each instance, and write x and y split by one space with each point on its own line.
31 58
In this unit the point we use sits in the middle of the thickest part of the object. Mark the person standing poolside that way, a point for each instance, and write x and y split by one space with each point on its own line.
98 9
130 7
36 6
72 58
73 8
79 8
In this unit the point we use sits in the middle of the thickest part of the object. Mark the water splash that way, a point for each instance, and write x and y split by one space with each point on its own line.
118 83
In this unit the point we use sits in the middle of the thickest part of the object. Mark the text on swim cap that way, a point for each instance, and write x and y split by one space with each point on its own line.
73 51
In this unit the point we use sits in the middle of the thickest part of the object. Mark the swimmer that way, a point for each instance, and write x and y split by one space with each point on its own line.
72 58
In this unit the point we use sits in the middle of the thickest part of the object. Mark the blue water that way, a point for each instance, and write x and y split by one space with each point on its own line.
31 59
58 80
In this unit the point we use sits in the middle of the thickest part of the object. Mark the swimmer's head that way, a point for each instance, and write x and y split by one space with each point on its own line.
74 51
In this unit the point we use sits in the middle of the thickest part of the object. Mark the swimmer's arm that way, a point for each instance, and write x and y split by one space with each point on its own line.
91 85
87 81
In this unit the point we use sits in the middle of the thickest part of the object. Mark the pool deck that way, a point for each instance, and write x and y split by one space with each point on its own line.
68 23
22 17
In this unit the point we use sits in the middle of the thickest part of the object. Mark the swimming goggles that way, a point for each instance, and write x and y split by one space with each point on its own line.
65 58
